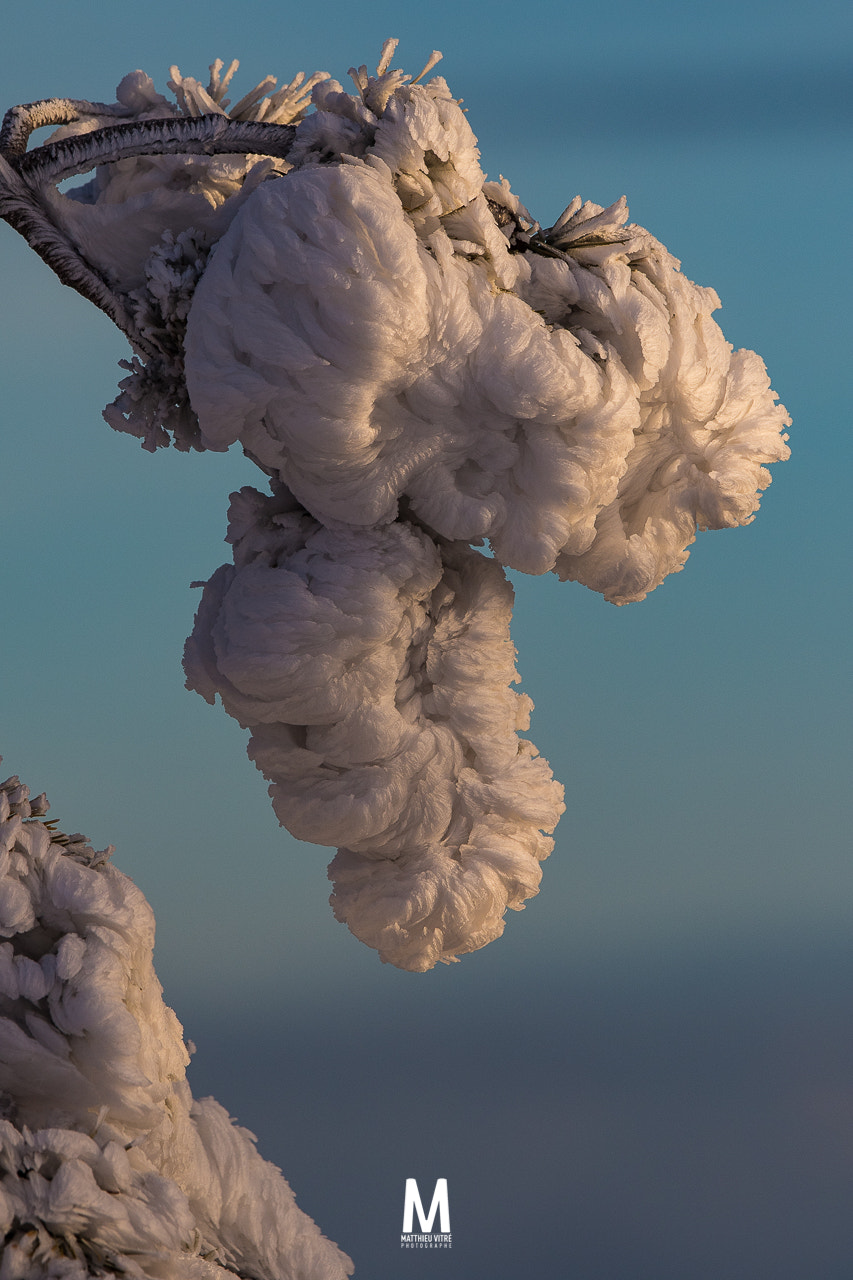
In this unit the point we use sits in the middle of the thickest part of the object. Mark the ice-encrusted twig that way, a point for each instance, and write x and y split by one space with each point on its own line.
20 122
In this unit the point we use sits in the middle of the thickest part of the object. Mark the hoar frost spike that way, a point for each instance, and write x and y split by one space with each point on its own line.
420 369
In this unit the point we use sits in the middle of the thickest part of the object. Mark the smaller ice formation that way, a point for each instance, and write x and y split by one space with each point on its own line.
438 388
108 1165
373 666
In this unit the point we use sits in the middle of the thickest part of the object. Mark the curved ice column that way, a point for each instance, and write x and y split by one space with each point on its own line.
374 670
108 1166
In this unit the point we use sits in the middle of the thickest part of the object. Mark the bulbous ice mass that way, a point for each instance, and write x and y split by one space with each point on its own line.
421 369
374 365
392 327
373 668
108 1166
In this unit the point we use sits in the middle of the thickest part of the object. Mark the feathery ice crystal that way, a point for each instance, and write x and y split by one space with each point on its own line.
420 369
108 1165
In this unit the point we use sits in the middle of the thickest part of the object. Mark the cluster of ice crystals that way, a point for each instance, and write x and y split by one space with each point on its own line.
264 102
421 369
108 1166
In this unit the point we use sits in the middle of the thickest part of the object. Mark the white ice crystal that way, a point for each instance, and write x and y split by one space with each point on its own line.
421 369
108 1165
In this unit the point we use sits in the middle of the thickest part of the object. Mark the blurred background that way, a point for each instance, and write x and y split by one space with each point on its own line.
650 1076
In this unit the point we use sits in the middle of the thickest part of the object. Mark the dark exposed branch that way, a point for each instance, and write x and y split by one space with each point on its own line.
20 122
20 208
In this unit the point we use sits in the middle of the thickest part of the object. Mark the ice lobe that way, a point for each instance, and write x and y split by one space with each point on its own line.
108 1166
393 327
708 422
374 670
364 352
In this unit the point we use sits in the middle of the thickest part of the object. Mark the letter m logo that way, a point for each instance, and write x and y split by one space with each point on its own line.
439 1205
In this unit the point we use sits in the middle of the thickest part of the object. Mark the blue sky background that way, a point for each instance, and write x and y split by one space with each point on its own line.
650 1074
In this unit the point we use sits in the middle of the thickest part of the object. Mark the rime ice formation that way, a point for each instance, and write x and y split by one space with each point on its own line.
108 1166
373 668
420 369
